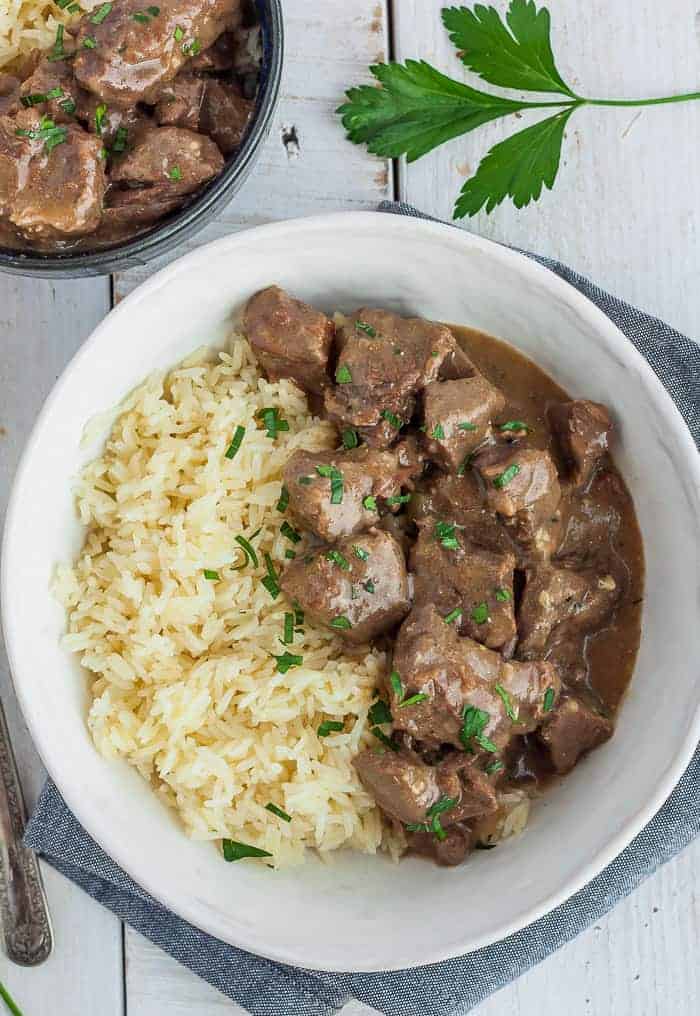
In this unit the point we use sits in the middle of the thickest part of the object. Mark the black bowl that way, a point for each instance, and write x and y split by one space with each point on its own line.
183 224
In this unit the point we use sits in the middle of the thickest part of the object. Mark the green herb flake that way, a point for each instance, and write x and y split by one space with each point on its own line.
100 114
343 375
341 623
178 34
438 432
514 426
485 743
494 767
445 535
506 477
288 636
370 503
473 724
461 470
466 425
68 107
235 443
298 614
286 661
271 580
249 552
399 499
395 682
368 586
274 810
305 480
9 1001
235 851
548 703
381 736
454 615
283 502
368 329
480 613
153 11
511 711
434 812
503 595
89 42
391 418
413 700
379 713
272 422
211 576
330 727
101 14
337 558
57 50
119 144
290 555
175 173
333 474
360 552
351 438
193 48
291 534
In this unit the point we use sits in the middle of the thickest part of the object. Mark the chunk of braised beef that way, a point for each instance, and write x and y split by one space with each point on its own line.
582 429
457 418
463 781
572 730
347 494
128 56
590 522
458 499
172 155
53 79
225 114
384 361
218 58
51 193
467 695
558 602
9 94
358 588
469 586
128 211
403 787
290 338
521 485
180 102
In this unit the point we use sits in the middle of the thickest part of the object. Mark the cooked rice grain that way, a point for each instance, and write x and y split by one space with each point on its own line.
185 686
31 24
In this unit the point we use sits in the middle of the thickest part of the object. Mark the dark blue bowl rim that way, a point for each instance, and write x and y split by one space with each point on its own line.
163 237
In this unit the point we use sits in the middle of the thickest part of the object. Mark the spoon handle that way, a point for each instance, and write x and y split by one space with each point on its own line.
26 927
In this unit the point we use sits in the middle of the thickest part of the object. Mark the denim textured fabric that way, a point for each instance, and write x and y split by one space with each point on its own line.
453 987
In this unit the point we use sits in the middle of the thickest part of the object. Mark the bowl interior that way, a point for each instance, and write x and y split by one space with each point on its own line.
364 913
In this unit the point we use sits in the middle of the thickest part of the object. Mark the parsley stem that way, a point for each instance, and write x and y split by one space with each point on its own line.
663 101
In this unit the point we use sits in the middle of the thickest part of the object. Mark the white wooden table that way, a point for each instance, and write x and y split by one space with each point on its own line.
625 211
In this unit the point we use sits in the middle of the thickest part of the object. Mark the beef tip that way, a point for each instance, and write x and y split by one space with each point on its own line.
591 522
457 418
225 114
180 102
384 361
289 337
470 585
522 487
9 94
463 681
359 588
558 601
448 852
50 191
403 787
49 78
461 781
572 730
458 499
169 154
218 58
582 430
127 211
371 480
129 56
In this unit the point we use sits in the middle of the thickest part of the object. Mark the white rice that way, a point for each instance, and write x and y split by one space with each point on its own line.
31 24
184 685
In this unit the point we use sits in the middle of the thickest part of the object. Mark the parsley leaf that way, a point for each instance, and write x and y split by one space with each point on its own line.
521 58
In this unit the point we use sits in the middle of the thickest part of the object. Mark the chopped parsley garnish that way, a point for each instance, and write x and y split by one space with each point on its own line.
145 18
249 552
461 470
399 499
351 438
360 552
47 131
395 421
341 623
101 13
395 682
36 98
153 11
503 595
298 614
485 743
292 535
480 613
57 50
504 478
379 713
333 474
271 580
283 502
337 558
434 813
175 173
235 851
368 586
330 727
473 724
466 425
445 535
438 432
548 700
235 443
192 48
305 480
119 143
413 700
453 615
178 34
89 42
288 636
368 329
68 106
514 425
272 421
494 767
286 661
381 736
343 375
511 711
100 114
290 554
370 503
278 812
211 576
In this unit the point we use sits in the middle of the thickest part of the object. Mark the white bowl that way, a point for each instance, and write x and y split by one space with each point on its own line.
364 913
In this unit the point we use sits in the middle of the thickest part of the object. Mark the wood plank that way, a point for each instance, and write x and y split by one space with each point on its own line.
624 210
41 326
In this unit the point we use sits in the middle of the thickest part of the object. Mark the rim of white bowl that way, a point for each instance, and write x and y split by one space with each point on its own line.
334 223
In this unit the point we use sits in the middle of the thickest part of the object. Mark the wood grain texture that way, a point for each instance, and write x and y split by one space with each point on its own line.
624 210
41 326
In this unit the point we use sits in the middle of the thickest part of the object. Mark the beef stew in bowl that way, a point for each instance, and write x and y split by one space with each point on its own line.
473 521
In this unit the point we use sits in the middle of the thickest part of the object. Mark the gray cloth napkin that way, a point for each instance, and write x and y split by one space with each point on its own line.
444 989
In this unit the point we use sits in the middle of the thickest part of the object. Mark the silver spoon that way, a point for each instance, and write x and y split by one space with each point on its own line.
26 926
